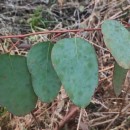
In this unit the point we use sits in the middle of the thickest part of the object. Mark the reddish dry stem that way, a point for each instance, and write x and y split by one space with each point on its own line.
53 31
14 45
47 32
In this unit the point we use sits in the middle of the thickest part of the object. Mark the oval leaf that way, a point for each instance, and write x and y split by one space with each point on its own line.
119 76
76 65
45 81
117 40
16 91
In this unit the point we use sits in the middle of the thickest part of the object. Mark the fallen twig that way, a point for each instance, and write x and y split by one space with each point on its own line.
67 118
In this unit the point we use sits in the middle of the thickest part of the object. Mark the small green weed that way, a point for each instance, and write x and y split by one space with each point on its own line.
37 20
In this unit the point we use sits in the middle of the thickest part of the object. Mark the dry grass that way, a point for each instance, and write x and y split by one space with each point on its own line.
105 112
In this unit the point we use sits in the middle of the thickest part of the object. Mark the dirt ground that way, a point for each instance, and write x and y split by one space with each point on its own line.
106 111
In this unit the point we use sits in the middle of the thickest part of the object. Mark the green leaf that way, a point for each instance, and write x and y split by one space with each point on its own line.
119 76
76 64
45 81
117 40
16 91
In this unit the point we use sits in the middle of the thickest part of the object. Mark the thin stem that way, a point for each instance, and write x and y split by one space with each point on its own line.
79 120
38 124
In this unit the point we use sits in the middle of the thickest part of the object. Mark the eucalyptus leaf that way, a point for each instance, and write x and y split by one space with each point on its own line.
117 40
75 62
119 76
16 91
45 81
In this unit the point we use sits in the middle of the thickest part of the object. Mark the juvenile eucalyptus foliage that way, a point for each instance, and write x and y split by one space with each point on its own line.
75 62
45 81
16 91
117 40
119 76
71 62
